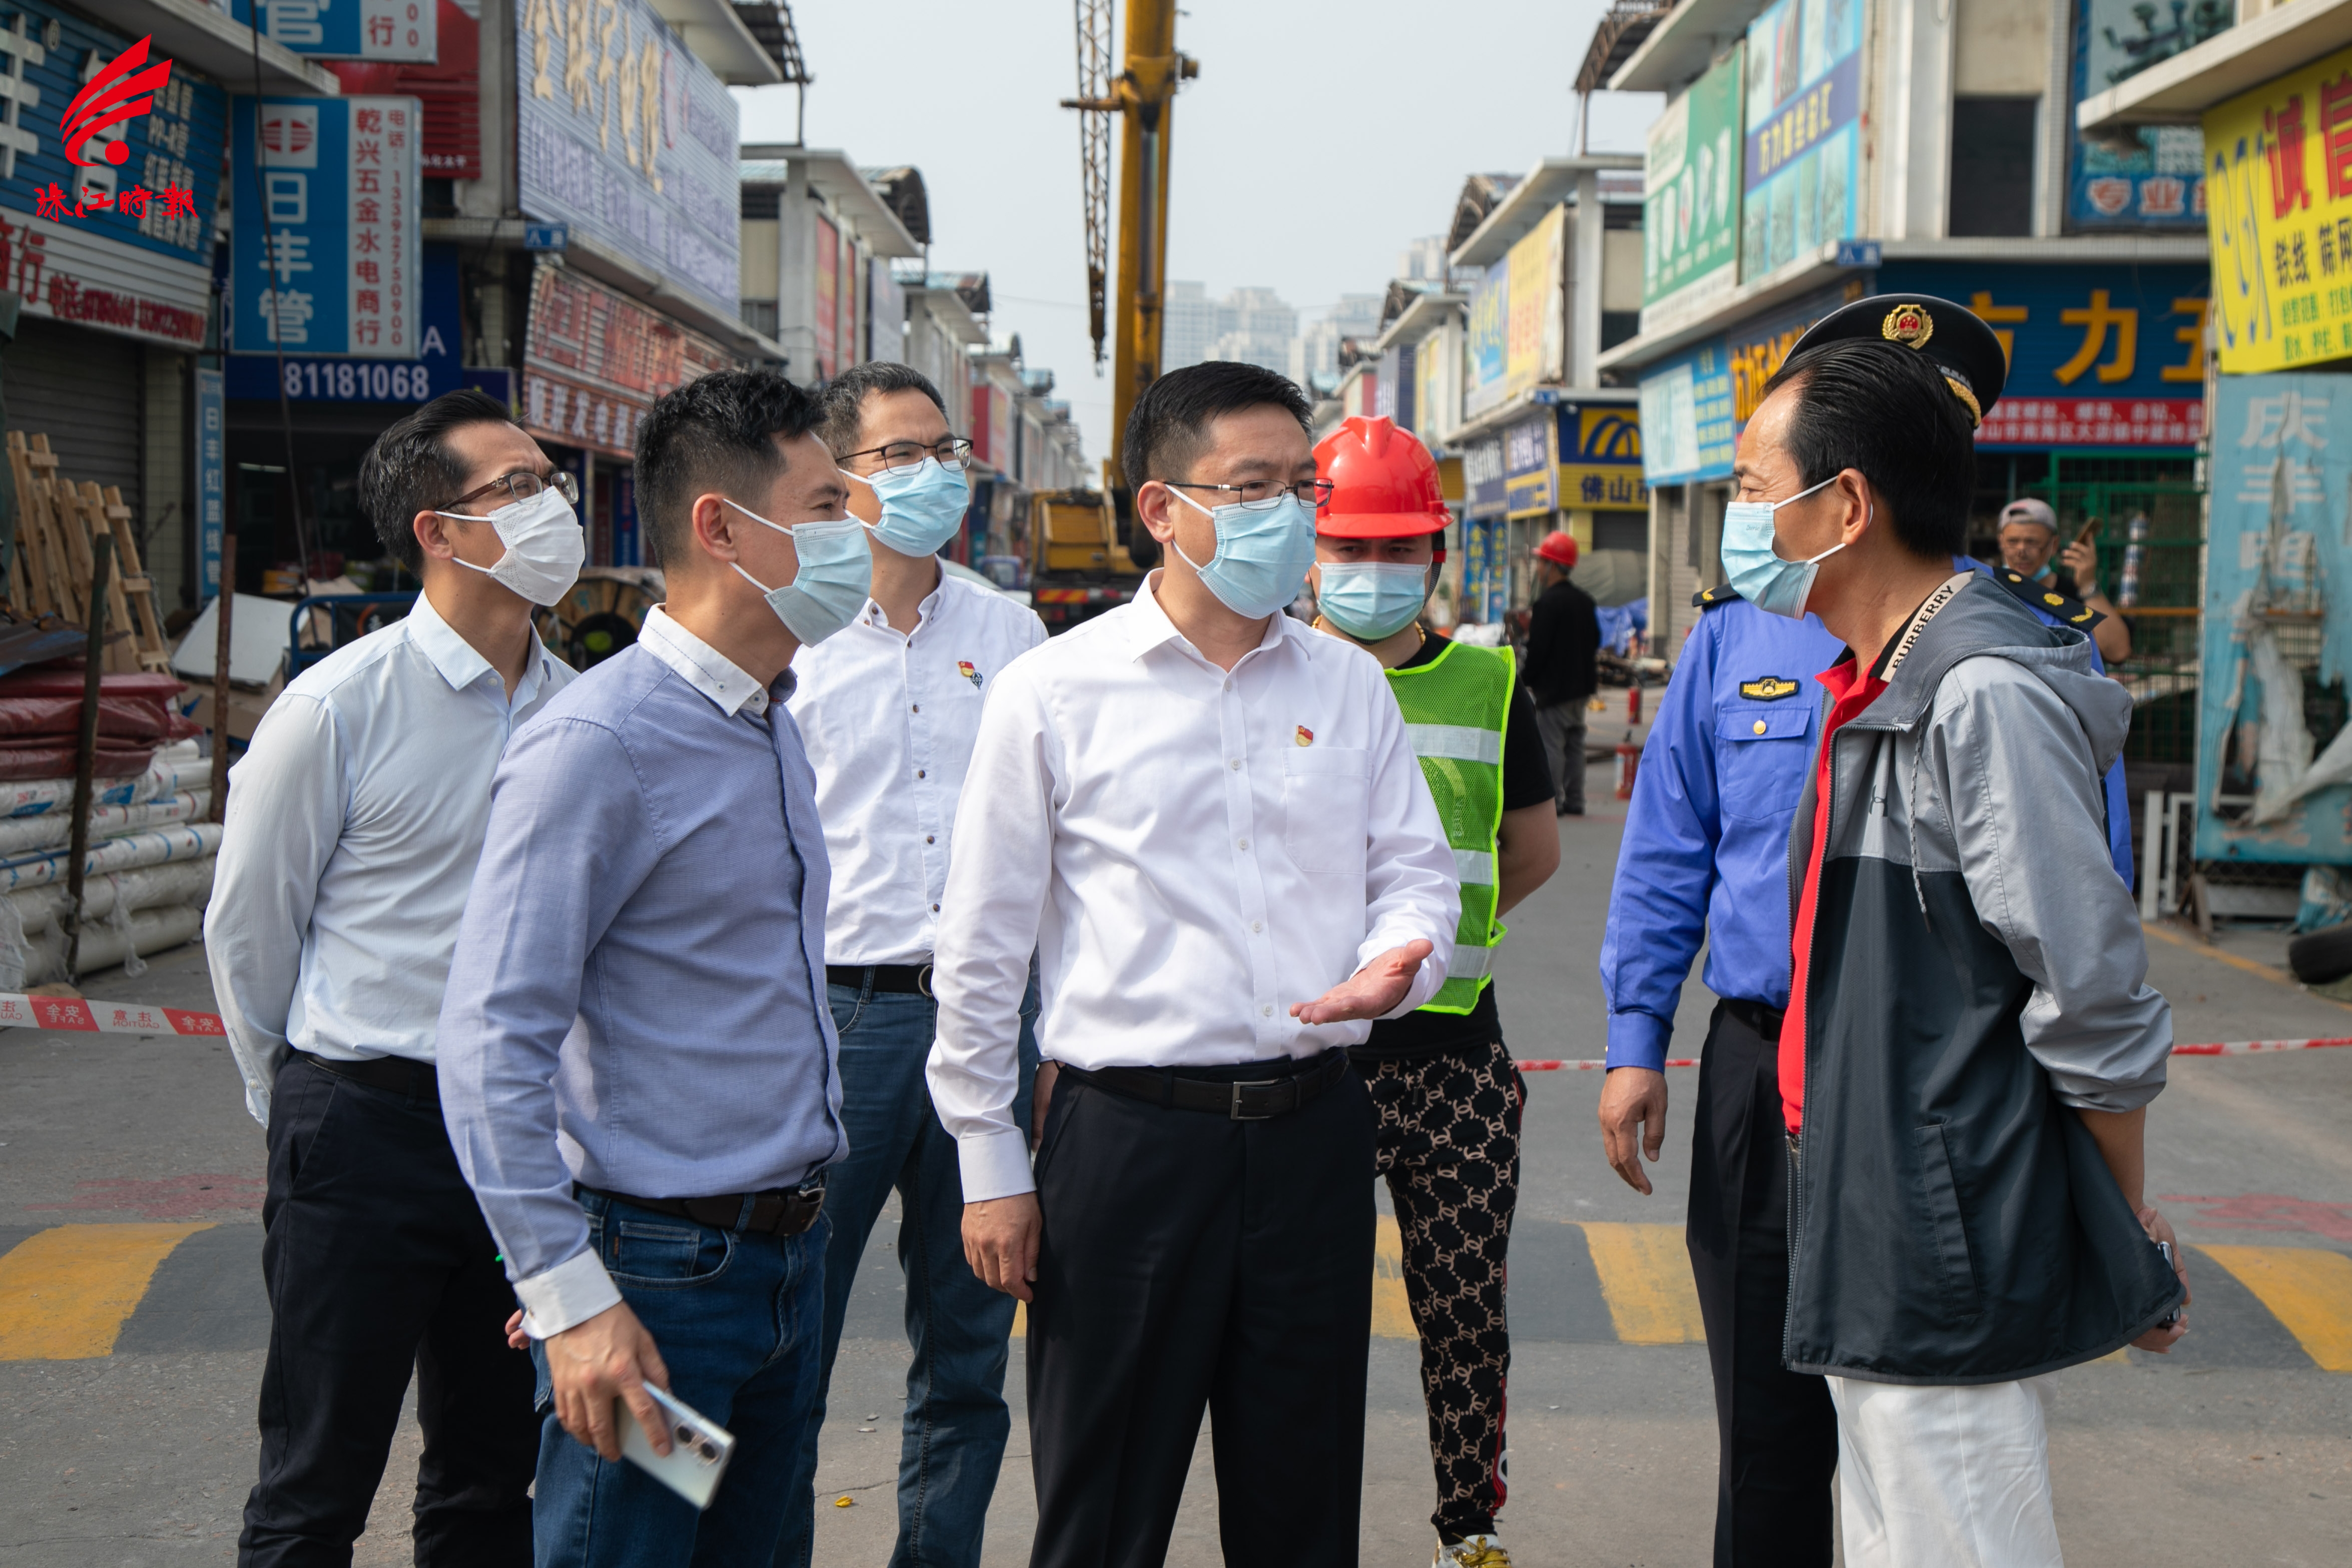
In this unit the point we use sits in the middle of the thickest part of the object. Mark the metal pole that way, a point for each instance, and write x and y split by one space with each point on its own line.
224 602
101 558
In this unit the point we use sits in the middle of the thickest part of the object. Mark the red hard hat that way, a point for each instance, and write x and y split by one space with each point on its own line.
1383 482
1557 548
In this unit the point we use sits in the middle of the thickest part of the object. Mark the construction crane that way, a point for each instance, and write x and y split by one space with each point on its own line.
1085 552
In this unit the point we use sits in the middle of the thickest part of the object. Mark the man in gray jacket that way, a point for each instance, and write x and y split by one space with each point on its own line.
1971 1043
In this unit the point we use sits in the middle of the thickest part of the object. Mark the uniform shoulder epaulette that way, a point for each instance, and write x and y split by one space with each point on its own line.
1708 597
2048 601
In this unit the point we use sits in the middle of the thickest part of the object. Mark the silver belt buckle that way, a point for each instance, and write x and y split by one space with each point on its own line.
923 982
1233 1112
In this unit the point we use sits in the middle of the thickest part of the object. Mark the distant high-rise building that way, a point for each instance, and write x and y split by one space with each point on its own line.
1257 328
1189 325
1315 351
1423 261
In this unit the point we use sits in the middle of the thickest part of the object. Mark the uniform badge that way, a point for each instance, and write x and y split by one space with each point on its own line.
963 668
1909 325
1305 737
1771 688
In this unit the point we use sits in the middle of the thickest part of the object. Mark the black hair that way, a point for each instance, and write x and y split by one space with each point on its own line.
1170 422
410 469
843 401
1887 411
717 433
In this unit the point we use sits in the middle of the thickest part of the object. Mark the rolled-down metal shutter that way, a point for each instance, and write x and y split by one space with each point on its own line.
85 391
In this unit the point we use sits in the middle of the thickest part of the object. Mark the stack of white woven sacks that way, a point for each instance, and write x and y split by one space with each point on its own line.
146 877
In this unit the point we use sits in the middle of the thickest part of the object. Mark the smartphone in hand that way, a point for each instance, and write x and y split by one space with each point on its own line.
699 1449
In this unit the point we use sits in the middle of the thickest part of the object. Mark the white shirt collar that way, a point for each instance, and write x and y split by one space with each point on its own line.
458 662
705 668
925 613
1148 626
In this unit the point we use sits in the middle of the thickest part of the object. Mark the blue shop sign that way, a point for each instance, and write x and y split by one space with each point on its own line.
315 378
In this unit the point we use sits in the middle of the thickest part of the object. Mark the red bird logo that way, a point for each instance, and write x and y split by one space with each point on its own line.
120 92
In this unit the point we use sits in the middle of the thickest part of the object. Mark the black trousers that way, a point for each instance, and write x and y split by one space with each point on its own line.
1778 1429
1194 1262
377 1260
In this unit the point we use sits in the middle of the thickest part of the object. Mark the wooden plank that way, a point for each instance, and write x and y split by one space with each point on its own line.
134 586
122 648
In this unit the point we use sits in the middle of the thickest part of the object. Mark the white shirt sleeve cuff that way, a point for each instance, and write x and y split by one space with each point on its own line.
566 1295
1426 981
996 1164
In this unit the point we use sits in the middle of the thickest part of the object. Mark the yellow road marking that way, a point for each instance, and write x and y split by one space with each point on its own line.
2251 966
66 1293
2308 1288
1020 1319
1646 1278
1392 1312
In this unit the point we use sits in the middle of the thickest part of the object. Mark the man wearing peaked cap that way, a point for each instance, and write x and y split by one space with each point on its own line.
1970 1044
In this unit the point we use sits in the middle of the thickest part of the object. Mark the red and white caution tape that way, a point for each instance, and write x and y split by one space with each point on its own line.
2234 1048
77 1015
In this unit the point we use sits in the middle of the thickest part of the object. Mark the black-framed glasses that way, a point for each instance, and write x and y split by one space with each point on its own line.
522 485
954 451
1260 495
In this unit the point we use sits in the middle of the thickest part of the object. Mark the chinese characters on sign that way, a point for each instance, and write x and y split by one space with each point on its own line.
347 29
211 467
1802 111
1530 476
630 140
307 378
594 363
1601 460
2154 180
325 253
1690 206
2280 160
2090 421
1687 425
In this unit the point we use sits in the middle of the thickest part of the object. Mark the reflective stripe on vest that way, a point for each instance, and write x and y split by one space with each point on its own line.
1455 710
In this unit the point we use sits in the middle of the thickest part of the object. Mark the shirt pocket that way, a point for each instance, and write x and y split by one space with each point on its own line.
1325 797
1761 750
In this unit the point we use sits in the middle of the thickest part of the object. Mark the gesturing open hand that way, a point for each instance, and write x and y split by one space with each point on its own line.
1370 991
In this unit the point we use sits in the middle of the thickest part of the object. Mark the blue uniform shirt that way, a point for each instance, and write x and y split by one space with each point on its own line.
1706 851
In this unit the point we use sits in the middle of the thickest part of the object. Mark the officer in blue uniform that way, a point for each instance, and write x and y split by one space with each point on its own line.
1705 855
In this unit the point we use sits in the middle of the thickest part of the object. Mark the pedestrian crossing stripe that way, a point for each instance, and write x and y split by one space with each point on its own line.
70 1292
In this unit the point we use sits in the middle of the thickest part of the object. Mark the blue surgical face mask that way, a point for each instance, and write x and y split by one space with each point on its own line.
1262 556
1371 600
836 573
922 506
1757 570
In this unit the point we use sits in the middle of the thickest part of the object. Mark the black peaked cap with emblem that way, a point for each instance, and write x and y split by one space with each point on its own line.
1962 346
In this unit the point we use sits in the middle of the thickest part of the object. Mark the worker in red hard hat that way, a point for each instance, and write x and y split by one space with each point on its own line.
1564 652
1447 1098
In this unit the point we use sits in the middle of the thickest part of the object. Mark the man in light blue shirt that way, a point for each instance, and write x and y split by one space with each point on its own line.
637 1063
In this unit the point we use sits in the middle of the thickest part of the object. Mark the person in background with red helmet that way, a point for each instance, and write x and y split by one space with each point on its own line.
1563 644
1447 1098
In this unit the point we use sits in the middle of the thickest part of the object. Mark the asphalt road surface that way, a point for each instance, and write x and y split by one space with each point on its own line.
133 1321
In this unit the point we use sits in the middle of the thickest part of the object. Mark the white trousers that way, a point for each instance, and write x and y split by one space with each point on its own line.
1945 1477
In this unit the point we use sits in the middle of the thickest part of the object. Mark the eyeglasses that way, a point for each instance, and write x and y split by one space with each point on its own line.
522 485
1260 494
953 453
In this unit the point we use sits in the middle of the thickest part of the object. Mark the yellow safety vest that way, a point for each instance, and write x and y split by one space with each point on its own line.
1456 708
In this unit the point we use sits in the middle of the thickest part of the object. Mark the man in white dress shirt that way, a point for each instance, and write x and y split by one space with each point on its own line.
889 709
354 821
1208 822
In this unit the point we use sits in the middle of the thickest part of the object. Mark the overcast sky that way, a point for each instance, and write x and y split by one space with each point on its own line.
1318 141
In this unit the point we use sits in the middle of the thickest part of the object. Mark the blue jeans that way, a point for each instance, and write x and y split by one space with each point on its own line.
951 1437
735 1317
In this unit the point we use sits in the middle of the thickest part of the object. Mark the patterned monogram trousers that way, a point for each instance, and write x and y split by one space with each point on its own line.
1447 1139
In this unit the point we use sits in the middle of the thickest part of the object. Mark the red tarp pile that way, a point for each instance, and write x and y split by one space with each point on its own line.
40 720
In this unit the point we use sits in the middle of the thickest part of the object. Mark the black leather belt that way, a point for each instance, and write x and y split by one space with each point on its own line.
394 1074
779 1211
905 980
1258 1100
1764 1020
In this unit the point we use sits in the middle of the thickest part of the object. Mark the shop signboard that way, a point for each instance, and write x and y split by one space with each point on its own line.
1490 320
2278 565
1530 470
1802 113
325 240
344 29
1690 204
123 244
828 292
886 323
1536 335
1482 477
1601 458
448 83
2280 162
2100 354
312 378
2154 181
1428 386
1393 397
212 445
1485 567
1686 427
594 363
627 137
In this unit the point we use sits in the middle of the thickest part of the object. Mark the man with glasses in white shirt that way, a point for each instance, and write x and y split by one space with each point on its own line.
1207 821
353 825
889 709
